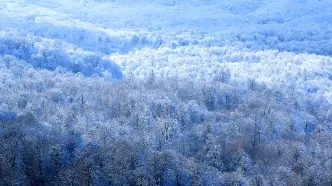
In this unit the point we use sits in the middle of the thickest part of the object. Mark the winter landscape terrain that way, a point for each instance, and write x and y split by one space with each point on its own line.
165 92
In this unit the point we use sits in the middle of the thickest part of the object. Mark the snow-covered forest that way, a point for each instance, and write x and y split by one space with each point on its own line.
165 92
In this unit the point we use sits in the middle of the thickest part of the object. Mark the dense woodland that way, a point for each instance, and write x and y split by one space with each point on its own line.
60 128
165 93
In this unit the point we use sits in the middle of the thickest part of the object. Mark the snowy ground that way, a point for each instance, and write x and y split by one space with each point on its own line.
278 42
